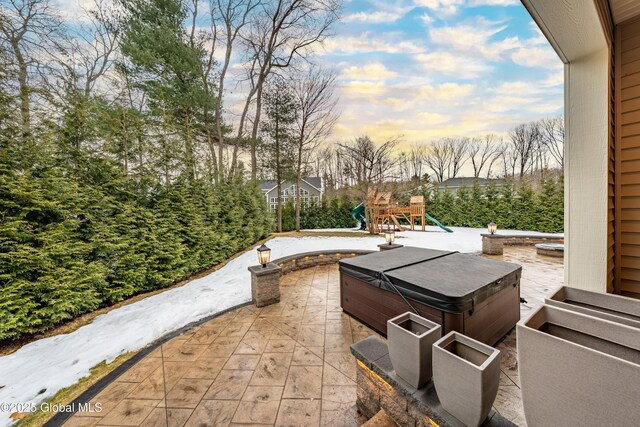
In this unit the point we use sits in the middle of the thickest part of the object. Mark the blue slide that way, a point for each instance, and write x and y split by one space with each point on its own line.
436 222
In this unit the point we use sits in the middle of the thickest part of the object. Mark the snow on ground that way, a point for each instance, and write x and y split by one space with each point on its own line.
38 370
462 239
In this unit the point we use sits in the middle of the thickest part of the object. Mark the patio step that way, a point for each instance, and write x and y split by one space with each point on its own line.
381 419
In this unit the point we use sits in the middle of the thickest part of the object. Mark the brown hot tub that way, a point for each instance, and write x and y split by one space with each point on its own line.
466 293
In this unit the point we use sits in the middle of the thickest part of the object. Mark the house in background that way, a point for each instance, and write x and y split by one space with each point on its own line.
452 185
311 191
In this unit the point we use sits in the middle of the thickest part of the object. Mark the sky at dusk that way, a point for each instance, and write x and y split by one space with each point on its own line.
425 69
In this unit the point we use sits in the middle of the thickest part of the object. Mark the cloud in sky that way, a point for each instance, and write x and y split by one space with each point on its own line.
449 8
370 71
447 63
442 68
370 42
373 17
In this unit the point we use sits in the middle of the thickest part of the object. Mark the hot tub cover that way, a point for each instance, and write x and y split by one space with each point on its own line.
449 281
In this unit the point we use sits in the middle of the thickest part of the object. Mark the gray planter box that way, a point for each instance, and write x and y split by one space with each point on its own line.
410 338
605 306
578 370
466 374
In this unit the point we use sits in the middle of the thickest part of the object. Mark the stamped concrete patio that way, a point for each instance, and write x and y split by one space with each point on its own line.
287 364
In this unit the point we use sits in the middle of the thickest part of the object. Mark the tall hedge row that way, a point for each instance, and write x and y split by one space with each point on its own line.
332 213
515 206
68 247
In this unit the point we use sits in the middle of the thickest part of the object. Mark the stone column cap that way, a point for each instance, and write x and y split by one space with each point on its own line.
388 246
259 270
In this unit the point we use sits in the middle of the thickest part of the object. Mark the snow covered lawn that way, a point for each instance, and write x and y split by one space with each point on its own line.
51 364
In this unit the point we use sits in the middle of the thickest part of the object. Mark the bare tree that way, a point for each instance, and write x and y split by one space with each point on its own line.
372 165
327 165
552 137
404 173
99 38
87 54
206 68
458 150
438 158
496 156
252 68
482 153
417 155
232 16
509 159
540 160
285 32
524 139
28 28
331 166
316 101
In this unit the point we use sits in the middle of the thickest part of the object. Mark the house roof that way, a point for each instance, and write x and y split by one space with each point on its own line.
468 182
268 185
315 181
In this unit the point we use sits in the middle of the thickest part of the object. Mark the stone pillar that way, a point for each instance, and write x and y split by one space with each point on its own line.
265 284
492 244
386 246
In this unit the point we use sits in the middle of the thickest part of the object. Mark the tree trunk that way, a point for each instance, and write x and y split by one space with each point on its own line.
189 153
243 118
298 198
223 73
279 213
211 145
278 175
299 177
254 132
368 214
25 102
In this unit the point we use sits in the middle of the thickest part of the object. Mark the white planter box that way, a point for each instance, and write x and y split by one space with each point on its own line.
605 306
466 375
578 370
410 338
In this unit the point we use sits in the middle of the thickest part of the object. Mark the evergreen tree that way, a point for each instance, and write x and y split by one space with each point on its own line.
549 212
491 196
524 207
331 213
462 214
505 213
277 147
434 203
478 211
447 208
167 64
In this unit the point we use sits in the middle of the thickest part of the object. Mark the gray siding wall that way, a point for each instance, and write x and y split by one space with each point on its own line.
309 194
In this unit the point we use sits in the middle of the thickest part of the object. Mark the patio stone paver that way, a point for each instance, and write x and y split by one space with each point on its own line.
287 364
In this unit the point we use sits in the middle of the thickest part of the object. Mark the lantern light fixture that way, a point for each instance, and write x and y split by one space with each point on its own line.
492 227
264 255
390 236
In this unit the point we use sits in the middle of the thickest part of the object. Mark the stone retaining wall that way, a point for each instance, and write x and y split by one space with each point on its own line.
550 252
315 258
378 387
493 244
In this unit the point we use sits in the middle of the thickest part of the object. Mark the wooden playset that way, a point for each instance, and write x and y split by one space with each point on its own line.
386 212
